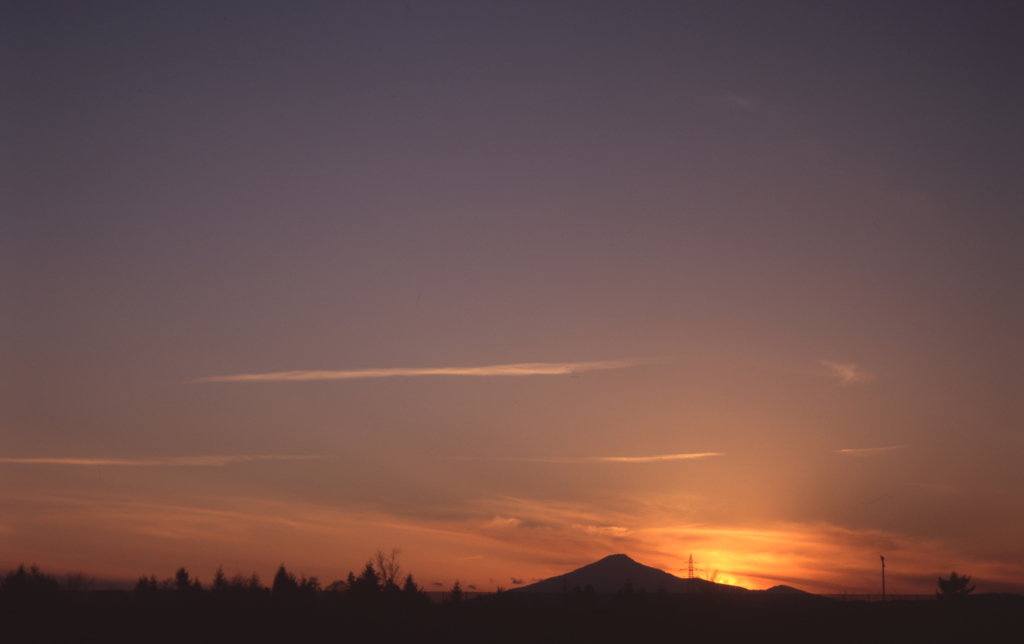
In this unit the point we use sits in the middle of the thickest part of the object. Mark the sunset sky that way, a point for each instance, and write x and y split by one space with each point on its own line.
513 287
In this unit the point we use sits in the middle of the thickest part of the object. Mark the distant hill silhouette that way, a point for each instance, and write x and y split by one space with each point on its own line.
610 574
785 590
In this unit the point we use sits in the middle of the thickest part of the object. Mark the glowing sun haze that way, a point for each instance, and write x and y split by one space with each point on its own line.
512 287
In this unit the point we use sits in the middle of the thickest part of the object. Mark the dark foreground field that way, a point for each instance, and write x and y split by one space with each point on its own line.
204 616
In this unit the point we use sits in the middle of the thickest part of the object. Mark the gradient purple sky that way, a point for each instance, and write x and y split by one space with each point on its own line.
786 239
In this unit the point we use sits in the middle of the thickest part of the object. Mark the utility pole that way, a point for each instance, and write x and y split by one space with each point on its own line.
883 577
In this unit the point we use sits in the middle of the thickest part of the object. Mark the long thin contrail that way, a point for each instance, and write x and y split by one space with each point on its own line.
593 459
182 461
650 459
521 369
867 451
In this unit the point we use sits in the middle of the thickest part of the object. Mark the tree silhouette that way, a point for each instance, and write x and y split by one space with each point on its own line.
410 587
284 582
366 584
147 586
251 584
29 583
388 569
184 583
337 586
78 583
220 582
310 586
955 587
455 594
707 573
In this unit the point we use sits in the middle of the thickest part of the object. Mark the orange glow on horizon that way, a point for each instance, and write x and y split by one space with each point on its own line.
117 537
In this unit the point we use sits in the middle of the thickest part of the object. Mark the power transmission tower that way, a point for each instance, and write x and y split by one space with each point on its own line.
883 577
689 579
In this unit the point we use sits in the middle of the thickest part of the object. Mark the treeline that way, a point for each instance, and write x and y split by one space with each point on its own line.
381 605
375 605
380 580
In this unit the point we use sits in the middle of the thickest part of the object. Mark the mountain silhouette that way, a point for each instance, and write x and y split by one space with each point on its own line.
785 590
610 575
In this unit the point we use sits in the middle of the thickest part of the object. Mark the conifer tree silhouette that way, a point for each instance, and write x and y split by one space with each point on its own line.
366 584
182 582
455 595
220 582
410 587
284 583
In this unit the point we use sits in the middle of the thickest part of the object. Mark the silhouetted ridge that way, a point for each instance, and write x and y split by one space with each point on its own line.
610 575
782 589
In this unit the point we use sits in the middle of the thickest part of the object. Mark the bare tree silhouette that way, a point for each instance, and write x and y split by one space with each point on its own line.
388 569
707 573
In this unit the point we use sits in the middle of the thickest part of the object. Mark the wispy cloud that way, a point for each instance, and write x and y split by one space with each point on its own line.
610 530
591 459
503 522
739 102
846 372
521 369
182 461
651 459
868 451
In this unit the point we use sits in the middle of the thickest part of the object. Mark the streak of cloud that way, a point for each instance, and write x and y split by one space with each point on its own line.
183 461
520 369
611 530
503 522
652 459
591 459
739 102
868 451
846 372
